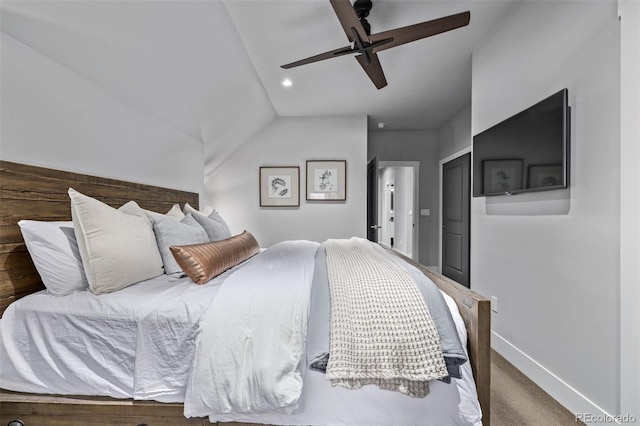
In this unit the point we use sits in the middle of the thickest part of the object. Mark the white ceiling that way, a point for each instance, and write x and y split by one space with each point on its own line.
211 68
429 80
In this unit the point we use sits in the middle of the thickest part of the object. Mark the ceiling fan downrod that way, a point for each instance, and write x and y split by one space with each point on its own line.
362 8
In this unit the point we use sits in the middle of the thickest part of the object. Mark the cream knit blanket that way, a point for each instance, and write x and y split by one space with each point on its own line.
381 331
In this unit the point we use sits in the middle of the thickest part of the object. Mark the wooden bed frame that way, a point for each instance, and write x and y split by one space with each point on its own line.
29 192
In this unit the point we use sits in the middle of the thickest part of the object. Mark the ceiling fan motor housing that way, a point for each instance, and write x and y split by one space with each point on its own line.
362 8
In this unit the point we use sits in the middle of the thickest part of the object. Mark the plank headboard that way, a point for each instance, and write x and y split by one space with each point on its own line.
37 193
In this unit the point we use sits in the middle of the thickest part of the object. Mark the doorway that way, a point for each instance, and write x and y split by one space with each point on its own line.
388 211
397 194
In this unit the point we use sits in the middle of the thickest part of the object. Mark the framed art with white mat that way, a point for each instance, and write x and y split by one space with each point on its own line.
280 186
326 180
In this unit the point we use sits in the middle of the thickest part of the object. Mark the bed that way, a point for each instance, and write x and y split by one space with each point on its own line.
29 192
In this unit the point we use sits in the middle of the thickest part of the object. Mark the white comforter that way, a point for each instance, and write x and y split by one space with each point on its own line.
250 355
139 343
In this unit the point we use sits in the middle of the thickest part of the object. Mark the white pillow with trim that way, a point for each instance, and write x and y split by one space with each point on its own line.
175 212
188 209
117 249
55 254
131 207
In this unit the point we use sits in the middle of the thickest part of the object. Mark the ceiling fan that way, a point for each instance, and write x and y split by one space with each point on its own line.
354 22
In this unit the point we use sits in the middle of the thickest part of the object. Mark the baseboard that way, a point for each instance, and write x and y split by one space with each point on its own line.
574 401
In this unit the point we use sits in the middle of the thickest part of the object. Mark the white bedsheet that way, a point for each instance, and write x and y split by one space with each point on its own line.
135 343
128 344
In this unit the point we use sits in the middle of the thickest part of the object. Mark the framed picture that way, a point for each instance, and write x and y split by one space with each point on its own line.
500 176
280 186
546 176
327 180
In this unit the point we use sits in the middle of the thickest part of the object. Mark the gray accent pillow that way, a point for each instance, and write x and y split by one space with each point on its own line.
170 232
214 225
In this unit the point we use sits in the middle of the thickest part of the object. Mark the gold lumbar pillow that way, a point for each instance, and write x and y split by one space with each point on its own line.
203 262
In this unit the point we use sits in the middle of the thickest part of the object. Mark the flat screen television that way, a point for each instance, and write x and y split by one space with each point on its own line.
526 152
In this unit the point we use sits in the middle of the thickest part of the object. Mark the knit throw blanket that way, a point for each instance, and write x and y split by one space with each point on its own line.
381 331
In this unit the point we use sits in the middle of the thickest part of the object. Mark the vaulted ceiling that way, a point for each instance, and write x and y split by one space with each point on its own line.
212 68
429 80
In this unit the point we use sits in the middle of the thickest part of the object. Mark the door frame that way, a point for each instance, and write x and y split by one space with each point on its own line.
373 176
441 164
415 211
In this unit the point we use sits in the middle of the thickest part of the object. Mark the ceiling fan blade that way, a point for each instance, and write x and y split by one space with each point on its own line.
321 57
371 65
419 31
348 19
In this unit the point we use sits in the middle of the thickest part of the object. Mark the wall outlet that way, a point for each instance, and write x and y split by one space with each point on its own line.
494 304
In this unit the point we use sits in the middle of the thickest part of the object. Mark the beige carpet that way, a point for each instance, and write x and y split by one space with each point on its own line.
516 400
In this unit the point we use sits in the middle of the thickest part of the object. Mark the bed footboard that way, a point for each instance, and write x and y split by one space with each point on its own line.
476 313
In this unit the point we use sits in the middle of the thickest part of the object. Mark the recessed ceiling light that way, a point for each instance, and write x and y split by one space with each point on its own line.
381 125
287 83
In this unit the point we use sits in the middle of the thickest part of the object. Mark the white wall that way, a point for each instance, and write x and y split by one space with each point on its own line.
53 117
455 135
555 271
233 188
630 206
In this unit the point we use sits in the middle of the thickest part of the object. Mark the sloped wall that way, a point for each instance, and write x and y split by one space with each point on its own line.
143 91
54 118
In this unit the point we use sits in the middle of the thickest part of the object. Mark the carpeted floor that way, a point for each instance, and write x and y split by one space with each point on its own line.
517 401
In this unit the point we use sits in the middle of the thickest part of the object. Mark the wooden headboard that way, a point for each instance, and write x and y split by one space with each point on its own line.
37 193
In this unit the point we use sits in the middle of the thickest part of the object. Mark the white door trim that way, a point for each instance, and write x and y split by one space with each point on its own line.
416 199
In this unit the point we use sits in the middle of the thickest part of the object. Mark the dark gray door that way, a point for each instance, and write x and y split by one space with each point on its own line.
372 200
456 224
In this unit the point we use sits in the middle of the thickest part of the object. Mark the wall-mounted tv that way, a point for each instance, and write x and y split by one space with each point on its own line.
526 152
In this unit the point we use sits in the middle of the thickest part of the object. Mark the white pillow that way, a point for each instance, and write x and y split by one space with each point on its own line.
117 249
54 251
133 208
175 212
188 209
